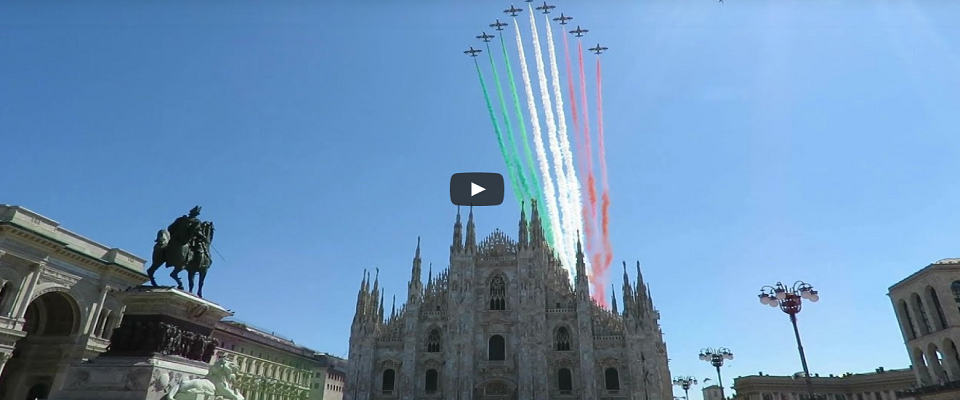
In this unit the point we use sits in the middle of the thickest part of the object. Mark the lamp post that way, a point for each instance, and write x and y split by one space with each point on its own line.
715 357
790 301
685 382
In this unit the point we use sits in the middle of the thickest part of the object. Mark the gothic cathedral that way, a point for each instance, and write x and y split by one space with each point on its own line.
504 322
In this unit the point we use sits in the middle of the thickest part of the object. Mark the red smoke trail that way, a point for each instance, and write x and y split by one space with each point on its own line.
590 208
605 198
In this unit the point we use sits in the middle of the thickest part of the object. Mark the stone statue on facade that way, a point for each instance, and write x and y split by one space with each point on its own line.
218 384
184 245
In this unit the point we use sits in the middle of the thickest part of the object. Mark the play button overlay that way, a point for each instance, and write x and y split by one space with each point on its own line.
476 189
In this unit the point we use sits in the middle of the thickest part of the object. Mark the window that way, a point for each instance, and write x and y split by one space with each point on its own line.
496 350
955 288
433 341
563 339
565 381
941 320
431 381
389 376
906 314
612 379
923 313
498 293
316 386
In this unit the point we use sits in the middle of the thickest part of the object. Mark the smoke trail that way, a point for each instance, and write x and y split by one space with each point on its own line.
605 197
586 231
591 207
493 117
548 190
516 180
562 239
572 217
530 171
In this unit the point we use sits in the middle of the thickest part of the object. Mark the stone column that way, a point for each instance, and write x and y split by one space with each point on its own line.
3 360
27 289
93 321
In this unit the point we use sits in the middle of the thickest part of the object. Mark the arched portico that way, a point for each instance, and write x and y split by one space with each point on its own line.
52 323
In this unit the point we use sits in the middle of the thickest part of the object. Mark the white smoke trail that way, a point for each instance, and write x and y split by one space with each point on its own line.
549 193
563 228
574 220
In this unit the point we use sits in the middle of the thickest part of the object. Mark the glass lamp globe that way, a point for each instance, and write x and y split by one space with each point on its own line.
764 299
781 294
728 356
814 297
773 303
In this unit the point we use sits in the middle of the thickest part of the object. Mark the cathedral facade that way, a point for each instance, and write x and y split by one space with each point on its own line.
505 322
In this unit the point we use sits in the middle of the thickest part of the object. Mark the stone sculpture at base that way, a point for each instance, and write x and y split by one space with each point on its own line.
217 384
163 342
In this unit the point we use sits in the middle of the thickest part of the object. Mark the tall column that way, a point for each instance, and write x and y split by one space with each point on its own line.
27 289
93 321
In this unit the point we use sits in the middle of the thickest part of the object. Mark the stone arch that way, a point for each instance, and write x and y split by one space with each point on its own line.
565 380
388 380
53 313
431 381
497 291
955 288
931 297
611 379
951 356
496 348
918 309
434 340
562 338
906 320
934 363
8 295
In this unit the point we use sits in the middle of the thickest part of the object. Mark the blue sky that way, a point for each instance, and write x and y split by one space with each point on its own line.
747 142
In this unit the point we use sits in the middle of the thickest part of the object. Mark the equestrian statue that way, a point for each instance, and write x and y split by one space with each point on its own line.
184 245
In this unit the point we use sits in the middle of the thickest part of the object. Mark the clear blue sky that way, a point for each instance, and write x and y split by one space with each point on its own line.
748 142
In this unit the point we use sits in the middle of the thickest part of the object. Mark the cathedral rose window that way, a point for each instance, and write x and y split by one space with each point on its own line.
498 293
433 341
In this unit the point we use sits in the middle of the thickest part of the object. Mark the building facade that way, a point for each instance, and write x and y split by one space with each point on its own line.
329 379
712 392
505 322
57 303
881 384
927 306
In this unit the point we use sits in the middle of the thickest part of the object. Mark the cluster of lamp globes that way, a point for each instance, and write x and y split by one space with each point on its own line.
708 356
780 294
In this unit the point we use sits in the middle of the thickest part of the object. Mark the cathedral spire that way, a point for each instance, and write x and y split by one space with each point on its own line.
627 292
524 232
457 234
613 293
415 274
361 296
536 228
380 310
393 310
581 265
471 245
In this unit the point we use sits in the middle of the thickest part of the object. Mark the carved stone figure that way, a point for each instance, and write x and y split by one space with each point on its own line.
218 382
184 245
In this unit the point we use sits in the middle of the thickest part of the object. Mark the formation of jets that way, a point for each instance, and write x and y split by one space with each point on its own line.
484 36
513 11
598 49
545 8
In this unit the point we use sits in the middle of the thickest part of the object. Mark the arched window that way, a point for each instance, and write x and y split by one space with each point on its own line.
918 303
498 293
4 297
909 320
389 378
496 350
941 320
612 379
565 380
955 288
433 341
431 381
563 339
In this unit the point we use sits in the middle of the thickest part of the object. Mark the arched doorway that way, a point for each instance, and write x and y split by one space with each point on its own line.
52 320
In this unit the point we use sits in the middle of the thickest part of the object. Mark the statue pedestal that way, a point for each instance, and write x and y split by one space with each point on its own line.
164 339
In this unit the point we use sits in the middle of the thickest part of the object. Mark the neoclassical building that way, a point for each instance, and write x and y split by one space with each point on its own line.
505 322
56 300
881 384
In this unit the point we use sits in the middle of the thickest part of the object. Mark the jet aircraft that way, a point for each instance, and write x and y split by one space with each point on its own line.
579 32
484 36
563 19
598 49
498 25
513 11
473 52
546 8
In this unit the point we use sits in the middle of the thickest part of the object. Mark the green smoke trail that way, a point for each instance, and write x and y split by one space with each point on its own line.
535 192
496 128
516 177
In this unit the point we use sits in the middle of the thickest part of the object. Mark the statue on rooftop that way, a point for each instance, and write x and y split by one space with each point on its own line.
184 245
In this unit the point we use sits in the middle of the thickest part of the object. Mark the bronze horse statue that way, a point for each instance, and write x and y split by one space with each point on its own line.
192 255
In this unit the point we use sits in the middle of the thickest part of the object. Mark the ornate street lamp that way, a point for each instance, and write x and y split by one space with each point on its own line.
715 357
790 301
685 382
